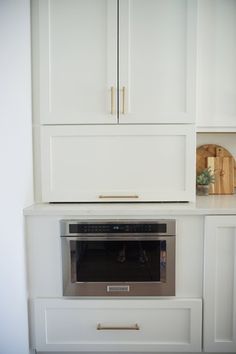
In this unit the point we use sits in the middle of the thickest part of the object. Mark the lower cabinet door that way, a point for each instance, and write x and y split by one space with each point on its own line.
220 284
118 163
118 325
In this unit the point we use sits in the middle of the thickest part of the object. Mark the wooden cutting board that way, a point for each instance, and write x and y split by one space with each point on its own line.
225 168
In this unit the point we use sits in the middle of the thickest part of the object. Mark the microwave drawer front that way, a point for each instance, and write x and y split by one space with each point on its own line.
118 163
118 325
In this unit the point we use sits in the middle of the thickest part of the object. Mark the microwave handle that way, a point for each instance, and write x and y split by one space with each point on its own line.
113 237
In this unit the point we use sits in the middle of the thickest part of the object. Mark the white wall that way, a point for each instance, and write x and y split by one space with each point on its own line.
16 181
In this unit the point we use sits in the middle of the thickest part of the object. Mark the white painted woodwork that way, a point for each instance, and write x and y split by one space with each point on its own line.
77 60
165 325
216 64
157 61
182 318
77 65
44 248
142 163
220 284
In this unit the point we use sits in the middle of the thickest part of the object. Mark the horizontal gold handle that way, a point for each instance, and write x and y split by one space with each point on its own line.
118 196
134 327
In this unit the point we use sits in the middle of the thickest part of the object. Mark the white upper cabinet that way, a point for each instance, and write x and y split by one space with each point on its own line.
118 163
157 61
77 61
95 55
216 64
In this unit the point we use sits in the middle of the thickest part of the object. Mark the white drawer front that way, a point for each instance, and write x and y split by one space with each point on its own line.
145 325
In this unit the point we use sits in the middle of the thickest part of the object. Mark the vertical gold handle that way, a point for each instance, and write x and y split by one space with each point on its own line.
123 99
112 100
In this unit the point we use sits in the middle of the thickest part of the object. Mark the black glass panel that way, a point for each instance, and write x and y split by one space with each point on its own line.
118 261
117 228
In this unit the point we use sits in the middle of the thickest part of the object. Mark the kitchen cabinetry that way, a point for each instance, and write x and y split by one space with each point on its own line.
107 163
216 65
104 62
69 324
220 284
118 325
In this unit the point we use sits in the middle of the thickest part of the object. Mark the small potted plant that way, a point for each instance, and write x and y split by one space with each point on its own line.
204 180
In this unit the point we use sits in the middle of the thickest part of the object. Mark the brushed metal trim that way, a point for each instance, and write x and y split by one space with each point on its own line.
120 288
119 237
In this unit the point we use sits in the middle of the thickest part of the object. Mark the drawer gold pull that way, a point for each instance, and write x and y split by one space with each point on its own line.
117 196
134 327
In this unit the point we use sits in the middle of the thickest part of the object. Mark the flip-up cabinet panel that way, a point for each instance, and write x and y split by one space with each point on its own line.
220 284
104 61
118 163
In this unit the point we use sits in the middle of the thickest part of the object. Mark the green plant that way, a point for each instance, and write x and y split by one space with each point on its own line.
206 177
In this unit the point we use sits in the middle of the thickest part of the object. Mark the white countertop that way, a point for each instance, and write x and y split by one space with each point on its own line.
206 205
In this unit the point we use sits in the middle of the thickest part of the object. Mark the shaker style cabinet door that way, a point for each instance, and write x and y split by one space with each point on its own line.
73 325
216 65
157 61
220 284
118 163
75 68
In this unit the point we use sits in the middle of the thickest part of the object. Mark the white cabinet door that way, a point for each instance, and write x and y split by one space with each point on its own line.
118 163
76 68
157 61
220 284
75 61
145 325
216 64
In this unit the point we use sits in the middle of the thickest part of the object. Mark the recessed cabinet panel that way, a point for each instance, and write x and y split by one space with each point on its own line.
220 284
121 163
91 325
77 65
157 64
216 64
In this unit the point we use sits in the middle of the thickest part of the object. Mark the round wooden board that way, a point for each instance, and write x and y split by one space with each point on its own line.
210 150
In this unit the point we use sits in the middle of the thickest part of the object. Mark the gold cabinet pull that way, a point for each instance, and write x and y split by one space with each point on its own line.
118 196
123 99
134 327
112 100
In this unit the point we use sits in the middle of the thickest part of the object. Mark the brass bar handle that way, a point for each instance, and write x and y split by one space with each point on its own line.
118 196
123 99
134 327
112 100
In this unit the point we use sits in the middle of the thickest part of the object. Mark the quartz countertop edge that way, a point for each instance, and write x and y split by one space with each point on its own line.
205 205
